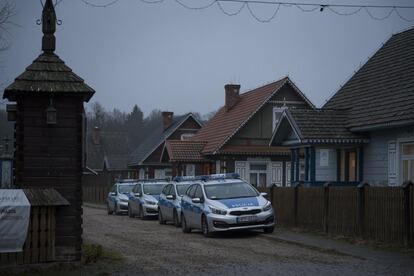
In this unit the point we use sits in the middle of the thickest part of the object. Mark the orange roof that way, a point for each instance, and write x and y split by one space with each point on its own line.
253 150
184 150
225 124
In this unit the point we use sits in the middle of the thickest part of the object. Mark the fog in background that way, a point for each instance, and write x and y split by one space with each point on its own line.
163 56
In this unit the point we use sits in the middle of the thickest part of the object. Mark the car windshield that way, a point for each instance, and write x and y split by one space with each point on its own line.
182 188
153 189
125 188
230 190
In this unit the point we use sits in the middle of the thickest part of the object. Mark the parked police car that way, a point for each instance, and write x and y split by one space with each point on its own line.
143 200
224 203
169 205
118 196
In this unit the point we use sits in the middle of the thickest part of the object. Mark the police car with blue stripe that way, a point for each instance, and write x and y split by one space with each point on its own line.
218 203
143 200
169 205
118 196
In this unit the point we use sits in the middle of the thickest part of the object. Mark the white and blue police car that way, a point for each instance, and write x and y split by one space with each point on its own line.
169 205
118 196
219 203
143 200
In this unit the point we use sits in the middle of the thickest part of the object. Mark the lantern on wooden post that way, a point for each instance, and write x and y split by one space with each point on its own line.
11 112
51 114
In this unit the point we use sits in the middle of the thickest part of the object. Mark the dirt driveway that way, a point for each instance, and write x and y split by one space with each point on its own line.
153 249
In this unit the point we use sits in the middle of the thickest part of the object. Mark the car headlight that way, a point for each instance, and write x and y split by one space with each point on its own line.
217 211
267 207
150 202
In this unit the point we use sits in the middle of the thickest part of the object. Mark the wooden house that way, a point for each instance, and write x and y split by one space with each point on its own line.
108 153
146 159
49 134
365 132
237 138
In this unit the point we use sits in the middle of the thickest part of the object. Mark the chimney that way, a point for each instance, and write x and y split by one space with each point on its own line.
96 136
232 95
167 118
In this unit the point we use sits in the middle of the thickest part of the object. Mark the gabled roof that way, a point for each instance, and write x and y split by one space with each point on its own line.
315 126
156 139
184 151
381 93
48 74
225 124
112 151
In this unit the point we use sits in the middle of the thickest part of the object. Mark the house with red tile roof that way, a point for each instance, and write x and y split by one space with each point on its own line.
146 158
237 138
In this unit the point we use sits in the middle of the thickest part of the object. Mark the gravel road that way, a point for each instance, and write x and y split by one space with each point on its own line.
153 249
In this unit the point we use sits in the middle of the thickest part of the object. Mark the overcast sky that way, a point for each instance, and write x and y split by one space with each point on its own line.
167 57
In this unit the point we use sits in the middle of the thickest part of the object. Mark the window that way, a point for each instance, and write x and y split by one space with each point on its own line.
113 190
198 192
137 188
186 136
352 166
190 170
159 173
231 190
191 190
166 190
221 166
258 174
141 174
277 114
407 161
182 188
168 172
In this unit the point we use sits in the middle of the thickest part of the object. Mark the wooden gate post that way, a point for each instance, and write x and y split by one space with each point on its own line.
326 205
361 208
296 202
408 212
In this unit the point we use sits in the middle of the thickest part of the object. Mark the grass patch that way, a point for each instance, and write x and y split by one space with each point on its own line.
376 245
93 253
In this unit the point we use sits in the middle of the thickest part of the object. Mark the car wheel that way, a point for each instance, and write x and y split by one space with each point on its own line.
109 209
268 230
204 227
116 209
160 218
141 212
184 225
175 219
130 212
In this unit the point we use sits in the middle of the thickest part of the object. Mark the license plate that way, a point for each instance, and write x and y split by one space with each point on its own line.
246 219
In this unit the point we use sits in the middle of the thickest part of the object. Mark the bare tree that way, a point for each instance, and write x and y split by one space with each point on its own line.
7 11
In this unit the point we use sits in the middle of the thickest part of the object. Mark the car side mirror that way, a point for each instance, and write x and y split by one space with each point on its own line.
113 193
263 194
137 194
170 197
197 200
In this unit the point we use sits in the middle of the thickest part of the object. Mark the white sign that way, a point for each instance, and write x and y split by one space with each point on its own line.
14 220
324 157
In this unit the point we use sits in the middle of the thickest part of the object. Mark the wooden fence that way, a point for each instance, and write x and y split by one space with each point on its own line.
95 188
40 241
95 194
383 214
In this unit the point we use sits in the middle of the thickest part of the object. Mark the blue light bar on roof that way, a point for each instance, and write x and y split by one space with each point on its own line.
220 176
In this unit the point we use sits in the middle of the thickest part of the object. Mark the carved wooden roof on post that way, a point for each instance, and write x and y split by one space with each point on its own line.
48 73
